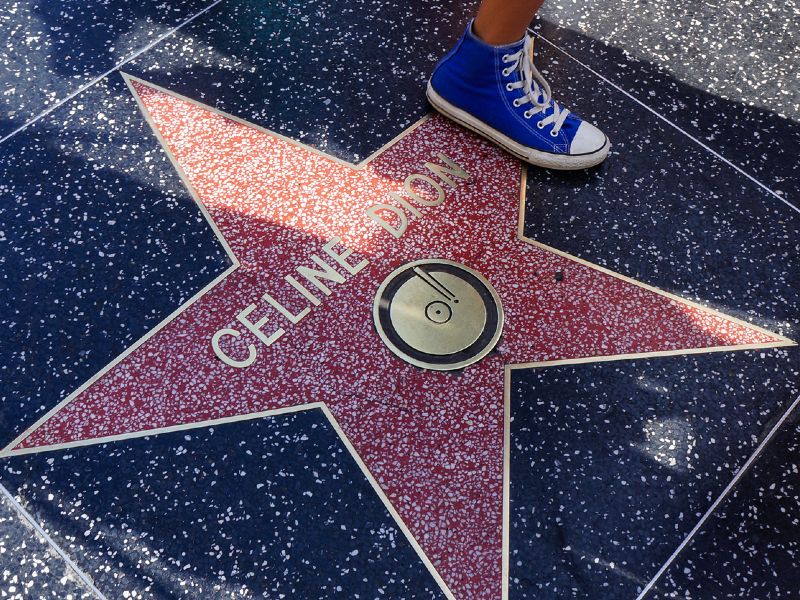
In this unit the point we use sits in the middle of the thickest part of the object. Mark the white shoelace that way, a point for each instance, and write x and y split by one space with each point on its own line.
530 80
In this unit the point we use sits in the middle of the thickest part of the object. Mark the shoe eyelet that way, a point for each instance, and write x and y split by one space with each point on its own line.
505 58
527 115
539 125
516 103
506 72
553 133
509 87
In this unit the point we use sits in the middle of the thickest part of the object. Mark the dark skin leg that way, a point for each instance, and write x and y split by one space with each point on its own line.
501 22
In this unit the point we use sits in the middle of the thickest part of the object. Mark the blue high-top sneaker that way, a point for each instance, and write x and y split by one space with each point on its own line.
497 92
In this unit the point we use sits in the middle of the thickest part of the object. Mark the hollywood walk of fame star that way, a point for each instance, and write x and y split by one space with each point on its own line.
434 441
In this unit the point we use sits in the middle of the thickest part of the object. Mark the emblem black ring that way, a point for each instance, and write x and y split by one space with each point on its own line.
438 314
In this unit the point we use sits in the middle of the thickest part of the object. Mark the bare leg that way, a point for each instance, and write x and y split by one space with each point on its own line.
501 22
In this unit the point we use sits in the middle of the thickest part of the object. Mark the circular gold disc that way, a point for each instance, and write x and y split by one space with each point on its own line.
438 314
427 319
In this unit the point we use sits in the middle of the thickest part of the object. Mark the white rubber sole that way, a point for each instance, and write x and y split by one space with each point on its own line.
548 160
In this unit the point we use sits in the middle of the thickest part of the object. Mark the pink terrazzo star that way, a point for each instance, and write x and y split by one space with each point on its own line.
433 440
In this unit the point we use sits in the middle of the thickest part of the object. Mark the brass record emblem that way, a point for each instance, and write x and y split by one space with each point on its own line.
438 314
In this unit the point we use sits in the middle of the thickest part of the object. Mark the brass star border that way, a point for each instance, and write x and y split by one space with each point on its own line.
696 329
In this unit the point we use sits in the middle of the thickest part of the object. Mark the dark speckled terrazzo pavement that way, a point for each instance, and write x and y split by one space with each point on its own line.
335 76
612 464
51 48
758 132
28 565
664 211
274 507
118 245
750 547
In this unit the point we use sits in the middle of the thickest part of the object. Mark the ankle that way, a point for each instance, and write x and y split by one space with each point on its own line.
495 35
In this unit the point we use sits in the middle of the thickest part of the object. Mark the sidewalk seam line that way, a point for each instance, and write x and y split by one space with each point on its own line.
50 541
667 121
719 499
116 67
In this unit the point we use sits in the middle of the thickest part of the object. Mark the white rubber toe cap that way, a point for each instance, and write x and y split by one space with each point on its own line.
588 139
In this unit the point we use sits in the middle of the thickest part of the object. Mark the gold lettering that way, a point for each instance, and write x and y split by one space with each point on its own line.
372 213
281 309
301 288
405 203
328 273
240 364
342 258
256 327
410 190
444 173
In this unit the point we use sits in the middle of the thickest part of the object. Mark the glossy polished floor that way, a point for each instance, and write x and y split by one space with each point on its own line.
218 381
